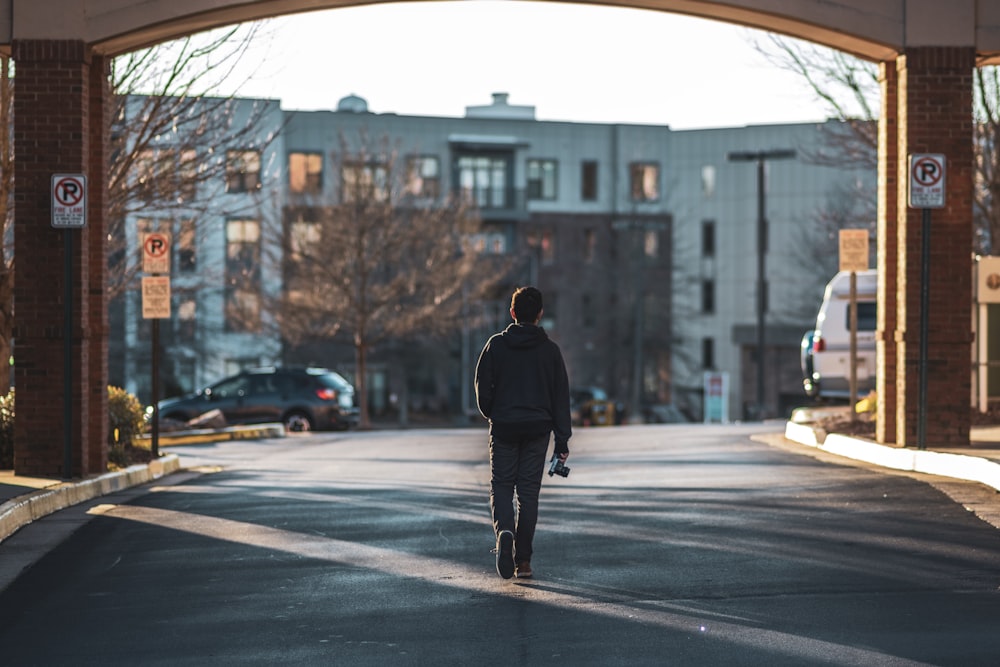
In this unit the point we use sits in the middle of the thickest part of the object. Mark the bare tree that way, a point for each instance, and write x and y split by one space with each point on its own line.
850 87
166 125
381 264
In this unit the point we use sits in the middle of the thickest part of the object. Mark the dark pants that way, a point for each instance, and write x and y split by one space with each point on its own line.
516 467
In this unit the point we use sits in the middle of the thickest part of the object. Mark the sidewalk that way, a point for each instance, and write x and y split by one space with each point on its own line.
26 499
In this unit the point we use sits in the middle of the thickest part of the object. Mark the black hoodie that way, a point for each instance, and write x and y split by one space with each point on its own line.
522 387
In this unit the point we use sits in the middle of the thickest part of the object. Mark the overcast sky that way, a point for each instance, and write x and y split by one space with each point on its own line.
572 62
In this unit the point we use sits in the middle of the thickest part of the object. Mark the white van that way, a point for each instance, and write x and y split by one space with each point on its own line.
831 341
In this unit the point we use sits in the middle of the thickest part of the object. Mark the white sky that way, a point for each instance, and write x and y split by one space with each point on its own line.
572 62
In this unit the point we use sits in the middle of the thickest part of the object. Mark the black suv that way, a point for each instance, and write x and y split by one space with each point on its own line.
303 399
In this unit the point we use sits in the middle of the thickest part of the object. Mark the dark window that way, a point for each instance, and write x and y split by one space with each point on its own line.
542 179
708 238
588 180
867 316
587 308
187 251
708 353
242 171
708 296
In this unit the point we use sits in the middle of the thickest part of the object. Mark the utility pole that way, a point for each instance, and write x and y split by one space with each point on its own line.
761 157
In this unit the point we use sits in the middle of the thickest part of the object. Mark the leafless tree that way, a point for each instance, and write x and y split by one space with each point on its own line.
850 87
166 125
383 262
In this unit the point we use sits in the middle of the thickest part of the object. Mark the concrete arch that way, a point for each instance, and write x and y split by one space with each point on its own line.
872 29
927 51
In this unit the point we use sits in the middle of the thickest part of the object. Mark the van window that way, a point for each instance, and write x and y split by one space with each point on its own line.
867 316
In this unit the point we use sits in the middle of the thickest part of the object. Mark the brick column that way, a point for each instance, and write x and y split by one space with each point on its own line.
935 116
52 134
101 103
885 345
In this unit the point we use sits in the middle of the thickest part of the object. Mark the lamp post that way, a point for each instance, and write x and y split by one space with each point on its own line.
760 157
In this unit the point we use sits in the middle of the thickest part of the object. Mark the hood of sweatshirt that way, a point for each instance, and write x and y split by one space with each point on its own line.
524 335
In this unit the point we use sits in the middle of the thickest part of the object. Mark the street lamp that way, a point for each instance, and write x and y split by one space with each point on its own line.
760 157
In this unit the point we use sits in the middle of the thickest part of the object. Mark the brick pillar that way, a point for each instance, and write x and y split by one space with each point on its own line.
52 135
101 103
935 116
885 345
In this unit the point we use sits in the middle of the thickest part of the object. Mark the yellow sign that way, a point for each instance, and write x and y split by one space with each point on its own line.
853 249
156 297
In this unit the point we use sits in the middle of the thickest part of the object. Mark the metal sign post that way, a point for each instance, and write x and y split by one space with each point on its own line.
927 180
156 306
69 213
853 258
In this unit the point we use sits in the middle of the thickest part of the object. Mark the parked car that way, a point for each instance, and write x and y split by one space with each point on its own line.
303 399
831 346
809 379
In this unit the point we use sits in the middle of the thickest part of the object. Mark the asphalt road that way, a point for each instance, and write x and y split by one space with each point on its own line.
667 545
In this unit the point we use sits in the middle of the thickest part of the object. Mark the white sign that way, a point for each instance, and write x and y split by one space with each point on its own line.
69 201
156 297
156 252
927 181
853 249
716 386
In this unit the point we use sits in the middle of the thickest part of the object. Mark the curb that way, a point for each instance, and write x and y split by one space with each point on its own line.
957 466
16 513
206 435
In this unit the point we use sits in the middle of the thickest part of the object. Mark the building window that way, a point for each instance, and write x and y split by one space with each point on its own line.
482 180
708 238
708 180
187 254
708 297
589 245
708 353
588 180
188 175
166 175
361 182
489 243
242 171
242 275
423 176
542 179
651 243
548 247
305 173
187 311
644 181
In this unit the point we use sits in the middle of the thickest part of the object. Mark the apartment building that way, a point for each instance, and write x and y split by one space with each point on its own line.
642 238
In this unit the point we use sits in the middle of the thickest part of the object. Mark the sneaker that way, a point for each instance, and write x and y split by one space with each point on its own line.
523 570
505 554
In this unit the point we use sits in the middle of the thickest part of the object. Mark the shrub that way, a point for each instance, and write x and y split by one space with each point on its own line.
126 420
7 431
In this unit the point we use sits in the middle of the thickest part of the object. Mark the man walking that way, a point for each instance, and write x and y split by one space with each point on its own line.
523 390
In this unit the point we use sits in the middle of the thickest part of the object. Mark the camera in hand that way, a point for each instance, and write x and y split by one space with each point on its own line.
558 468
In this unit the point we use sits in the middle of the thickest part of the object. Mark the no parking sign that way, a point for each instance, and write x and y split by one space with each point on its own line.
69 201
927 180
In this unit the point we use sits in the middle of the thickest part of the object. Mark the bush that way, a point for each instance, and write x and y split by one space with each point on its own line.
7 431
126 420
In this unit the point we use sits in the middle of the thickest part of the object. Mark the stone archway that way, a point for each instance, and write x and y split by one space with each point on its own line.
927 50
